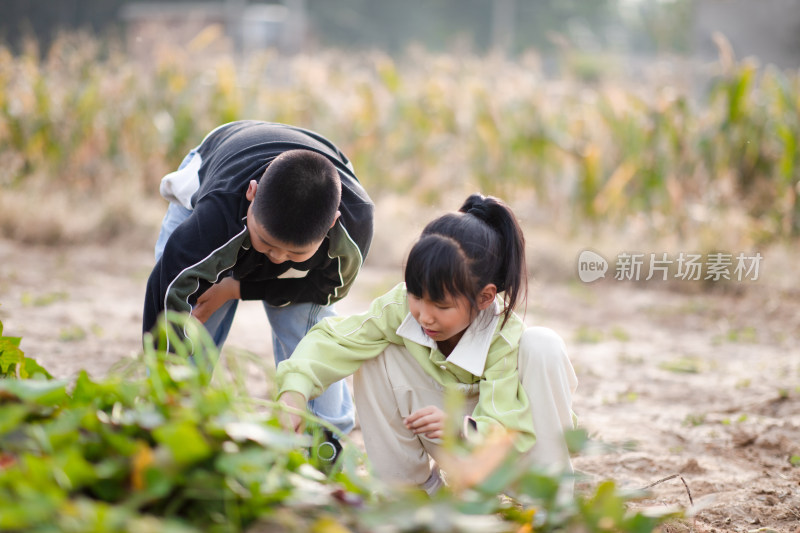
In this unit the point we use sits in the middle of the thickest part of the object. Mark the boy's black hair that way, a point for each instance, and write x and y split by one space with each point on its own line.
298 196
458 254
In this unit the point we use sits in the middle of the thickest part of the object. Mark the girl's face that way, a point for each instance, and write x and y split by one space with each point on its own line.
443 321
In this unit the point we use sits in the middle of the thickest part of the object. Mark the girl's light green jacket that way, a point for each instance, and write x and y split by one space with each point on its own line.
485 356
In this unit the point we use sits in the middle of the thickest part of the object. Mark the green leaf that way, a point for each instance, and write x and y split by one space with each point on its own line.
639 523
606 506
184 441
539 487
52 392
85 389
576 439
158 483
62 430
10 354
34 370
246 466
10 342
77 472
25 514
118 441
104 394
11 415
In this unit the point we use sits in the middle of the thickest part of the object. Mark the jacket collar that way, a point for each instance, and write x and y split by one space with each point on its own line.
472 350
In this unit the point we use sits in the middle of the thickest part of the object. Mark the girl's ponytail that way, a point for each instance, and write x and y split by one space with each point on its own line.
460 253
511 274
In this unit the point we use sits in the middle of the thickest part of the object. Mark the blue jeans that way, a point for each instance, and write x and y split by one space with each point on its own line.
289 324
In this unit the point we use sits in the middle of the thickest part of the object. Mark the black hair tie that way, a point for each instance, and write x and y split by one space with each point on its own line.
480 211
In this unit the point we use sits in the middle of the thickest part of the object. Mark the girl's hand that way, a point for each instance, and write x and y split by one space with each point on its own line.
289 420
428 421
216 295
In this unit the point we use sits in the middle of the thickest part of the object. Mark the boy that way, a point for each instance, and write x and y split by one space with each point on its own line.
262 211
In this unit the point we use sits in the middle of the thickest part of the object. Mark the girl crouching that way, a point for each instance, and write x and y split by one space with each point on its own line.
445 327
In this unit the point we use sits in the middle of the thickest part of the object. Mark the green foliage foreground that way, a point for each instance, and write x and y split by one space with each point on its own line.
174 451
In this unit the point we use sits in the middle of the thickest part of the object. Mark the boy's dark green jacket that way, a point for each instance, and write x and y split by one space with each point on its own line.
214 241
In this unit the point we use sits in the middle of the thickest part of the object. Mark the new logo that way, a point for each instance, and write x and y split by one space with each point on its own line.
591 266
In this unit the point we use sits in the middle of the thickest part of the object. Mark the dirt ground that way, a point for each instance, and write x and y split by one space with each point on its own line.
703 384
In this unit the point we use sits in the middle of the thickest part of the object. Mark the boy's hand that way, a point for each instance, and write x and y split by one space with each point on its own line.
428 421
289 420
216 295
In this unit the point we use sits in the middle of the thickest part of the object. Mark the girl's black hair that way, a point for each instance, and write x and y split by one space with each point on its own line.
460 253
298 196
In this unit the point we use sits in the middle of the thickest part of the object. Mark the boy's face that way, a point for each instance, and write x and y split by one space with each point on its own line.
276 250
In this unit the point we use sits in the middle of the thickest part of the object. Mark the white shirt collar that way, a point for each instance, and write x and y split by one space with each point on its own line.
472 349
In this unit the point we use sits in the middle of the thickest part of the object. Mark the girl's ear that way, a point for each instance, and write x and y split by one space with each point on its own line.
487 296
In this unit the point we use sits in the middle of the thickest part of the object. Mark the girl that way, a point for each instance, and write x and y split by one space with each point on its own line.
444 327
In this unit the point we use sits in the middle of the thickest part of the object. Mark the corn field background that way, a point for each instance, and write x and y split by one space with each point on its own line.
87 131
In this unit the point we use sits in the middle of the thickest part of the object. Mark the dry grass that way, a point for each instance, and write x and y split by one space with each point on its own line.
93 125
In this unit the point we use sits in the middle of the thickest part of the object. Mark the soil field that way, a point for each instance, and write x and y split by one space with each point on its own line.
704 385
